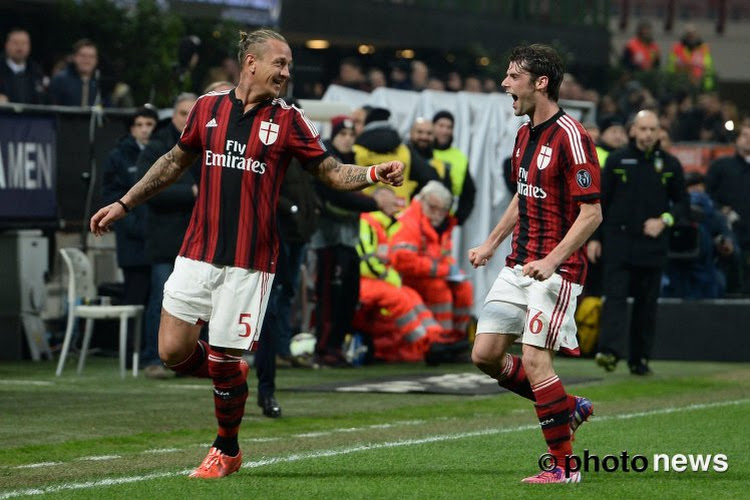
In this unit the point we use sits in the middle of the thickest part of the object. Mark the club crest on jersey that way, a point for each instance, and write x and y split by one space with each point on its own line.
268 133
544 157
583 178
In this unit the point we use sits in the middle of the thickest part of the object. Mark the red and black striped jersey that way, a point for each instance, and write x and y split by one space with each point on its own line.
555 169
245 157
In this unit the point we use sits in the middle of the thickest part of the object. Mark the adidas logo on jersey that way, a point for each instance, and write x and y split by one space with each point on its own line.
212 123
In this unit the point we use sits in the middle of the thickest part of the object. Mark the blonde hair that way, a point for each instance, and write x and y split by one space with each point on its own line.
252 43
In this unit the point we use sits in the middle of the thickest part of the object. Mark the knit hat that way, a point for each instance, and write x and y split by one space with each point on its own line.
609 121
443 114
340 122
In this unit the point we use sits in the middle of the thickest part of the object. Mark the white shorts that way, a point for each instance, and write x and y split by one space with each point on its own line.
541 312
232 300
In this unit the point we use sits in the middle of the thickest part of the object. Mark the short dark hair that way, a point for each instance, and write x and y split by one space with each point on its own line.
541 60
16 29
83 42
146 111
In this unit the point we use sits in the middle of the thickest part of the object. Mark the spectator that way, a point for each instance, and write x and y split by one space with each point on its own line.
700 277
436 83
608 107
168 216
119 175
462 184
455 82
643 192
337 286
420 250
400 76
21 80
691 56
712 123
420 75
393 315
489 85
612 136
472 83
376 78
378 141
641 53
351 75
687 125
79 84
593 131
359 116
298 212
728 183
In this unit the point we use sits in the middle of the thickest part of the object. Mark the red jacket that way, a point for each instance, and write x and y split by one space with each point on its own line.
417 251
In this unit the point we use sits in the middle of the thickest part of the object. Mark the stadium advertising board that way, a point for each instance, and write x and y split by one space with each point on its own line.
28 146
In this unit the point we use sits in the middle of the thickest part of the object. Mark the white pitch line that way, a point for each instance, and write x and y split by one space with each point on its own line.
26 382
161 450
34 466
99 458
355 449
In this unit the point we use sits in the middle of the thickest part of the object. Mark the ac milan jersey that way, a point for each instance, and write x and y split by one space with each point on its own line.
555 169
245 157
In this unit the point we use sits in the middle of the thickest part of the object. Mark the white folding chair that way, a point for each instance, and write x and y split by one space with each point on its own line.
81 290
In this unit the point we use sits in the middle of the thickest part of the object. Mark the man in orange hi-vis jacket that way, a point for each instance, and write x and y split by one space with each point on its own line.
420 250
394 315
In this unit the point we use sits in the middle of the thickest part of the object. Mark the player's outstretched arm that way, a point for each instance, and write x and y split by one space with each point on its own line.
479 256
346 177
162 173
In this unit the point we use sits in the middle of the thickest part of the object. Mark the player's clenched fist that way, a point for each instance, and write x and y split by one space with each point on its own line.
390 172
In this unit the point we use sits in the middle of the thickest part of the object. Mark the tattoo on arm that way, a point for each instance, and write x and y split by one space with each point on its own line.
340 176
163 172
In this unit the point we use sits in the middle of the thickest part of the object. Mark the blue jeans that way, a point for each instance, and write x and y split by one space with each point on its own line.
159 274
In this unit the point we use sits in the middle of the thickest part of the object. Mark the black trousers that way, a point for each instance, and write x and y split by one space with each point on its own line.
136 289
622 280
337 295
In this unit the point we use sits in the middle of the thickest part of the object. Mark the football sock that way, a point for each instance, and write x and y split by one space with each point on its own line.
196 365
513 377
554 417
230 394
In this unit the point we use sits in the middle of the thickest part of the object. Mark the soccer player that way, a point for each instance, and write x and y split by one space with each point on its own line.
554 211
246 137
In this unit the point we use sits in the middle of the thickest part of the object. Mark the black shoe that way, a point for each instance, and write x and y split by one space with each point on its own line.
446 353
606 360
271 407
640 369
331 359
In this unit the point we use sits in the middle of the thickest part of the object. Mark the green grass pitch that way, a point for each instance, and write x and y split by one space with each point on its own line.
97 436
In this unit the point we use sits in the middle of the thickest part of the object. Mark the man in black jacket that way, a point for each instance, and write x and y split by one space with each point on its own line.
21 80
643 192
335 242
728 183
119 175
168 216
79 83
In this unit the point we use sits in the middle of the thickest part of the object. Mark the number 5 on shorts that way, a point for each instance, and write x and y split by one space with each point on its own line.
245 321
